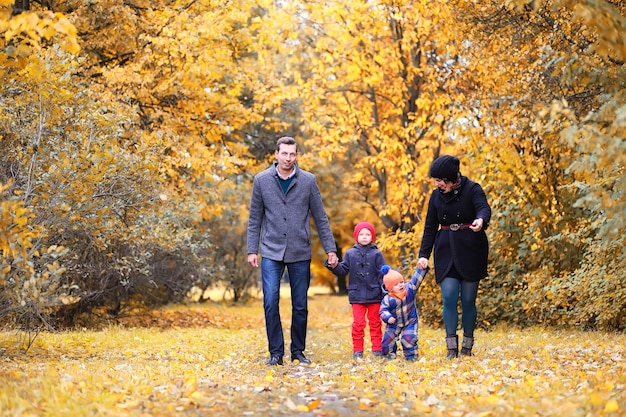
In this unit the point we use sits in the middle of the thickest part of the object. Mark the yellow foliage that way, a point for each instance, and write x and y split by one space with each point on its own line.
158 125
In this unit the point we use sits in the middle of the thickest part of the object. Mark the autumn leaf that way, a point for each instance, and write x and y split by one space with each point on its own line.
176 366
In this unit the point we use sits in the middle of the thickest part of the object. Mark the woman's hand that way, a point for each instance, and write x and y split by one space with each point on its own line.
477 225
422 263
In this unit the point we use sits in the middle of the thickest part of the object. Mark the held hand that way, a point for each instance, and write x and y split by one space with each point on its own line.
477 224
332 259
422 263
253 260
391 320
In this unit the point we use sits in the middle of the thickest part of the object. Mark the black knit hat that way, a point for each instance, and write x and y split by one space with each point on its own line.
445 167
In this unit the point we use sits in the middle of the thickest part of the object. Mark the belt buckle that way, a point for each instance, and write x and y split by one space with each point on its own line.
455 226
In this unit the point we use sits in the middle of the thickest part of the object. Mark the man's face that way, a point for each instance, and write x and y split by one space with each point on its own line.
286 156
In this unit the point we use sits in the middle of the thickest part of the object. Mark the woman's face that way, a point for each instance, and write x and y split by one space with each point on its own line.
445 186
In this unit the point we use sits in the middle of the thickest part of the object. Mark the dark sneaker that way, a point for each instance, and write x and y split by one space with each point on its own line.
377 353
274 360
300 358
357 355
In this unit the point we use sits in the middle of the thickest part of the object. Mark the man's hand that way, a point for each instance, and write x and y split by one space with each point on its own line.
253 260
332 259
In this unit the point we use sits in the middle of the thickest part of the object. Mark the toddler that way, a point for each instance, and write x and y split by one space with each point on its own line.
398 310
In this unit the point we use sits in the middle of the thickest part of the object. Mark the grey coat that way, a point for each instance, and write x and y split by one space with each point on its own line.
279 224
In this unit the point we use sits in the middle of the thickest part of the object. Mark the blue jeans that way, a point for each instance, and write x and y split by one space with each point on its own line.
450 290
299 281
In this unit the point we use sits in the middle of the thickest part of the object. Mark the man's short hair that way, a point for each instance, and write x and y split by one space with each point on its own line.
286 140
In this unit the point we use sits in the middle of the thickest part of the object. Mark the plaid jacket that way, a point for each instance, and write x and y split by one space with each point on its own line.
404 310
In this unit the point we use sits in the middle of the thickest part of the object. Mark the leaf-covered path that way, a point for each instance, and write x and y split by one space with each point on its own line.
209 360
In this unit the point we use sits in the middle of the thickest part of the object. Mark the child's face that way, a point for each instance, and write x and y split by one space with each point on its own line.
365 237
398 287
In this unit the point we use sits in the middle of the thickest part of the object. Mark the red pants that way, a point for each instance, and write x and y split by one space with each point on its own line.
359 312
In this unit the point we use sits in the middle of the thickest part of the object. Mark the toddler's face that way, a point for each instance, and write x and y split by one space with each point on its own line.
365 237
398 287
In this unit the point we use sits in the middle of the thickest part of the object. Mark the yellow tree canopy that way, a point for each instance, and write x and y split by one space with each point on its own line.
385 94
200 76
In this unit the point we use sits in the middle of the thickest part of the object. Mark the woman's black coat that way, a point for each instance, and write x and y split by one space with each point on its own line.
465 249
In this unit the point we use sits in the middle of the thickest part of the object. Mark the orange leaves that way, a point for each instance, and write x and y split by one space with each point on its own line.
606 21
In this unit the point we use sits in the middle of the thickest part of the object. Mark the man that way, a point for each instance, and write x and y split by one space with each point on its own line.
284 197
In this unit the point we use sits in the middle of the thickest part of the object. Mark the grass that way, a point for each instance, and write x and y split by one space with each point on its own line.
209 359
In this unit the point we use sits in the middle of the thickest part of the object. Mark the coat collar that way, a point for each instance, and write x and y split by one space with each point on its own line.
293 173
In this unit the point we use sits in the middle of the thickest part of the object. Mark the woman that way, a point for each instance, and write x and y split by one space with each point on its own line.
457 216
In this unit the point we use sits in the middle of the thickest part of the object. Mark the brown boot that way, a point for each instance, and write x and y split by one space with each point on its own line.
452 343
466 347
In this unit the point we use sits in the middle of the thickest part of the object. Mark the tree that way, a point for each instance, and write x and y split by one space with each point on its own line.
30 272
552 157
390 85
129 161
144 136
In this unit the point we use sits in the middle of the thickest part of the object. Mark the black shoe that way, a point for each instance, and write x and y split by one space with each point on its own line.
452 353
300 357
465 352
274 360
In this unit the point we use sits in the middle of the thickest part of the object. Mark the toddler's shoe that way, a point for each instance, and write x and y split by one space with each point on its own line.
411 358
390 356
357 355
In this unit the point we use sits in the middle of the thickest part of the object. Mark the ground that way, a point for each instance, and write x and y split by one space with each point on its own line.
208 359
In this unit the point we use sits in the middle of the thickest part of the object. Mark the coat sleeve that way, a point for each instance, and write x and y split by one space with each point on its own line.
380 261
385 308
255 218
322 225
431 225
343 267
417 278
481 206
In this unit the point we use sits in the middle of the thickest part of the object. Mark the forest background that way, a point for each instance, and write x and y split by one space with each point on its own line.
130 132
